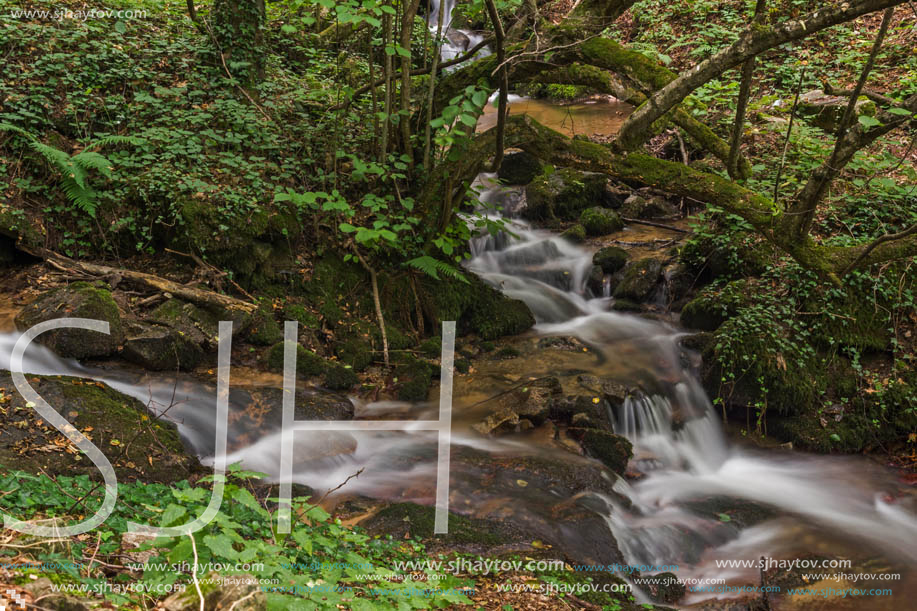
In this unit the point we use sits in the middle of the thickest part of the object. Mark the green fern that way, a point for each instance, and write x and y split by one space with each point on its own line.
74 169
433 267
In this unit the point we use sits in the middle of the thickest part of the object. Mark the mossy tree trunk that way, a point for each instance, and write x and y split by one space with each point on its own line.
237 27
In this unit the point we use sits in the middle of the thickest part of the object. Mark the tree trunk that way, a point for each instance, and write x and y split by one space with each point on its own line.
238 33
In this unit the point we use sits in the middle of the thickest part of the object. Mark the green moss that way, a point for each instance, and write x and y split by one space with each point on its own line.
507 352
355 352
264 330
575 233
487 346
639 280
307 362
414 379
338 377
563 194
600 221
432 347
300 314
715 305
462 365
478 308
610 258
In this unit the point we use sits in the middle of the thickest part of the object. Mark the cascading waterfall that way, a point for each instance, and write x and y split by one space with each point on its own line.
679 446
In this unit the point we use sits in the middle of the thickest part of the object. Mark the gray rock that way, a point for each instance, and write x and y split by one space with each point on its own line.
78 300
158 347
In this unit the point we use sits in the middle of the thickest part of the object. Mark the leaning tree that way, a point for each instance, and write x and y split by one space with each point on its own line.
575 52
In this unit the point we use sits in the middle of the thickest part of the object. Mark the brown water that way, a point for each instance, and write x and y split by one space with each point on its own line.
594 117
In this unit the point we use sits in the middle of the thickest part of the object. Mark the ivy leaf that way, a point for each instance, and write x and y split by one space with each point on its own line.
221 546
867 121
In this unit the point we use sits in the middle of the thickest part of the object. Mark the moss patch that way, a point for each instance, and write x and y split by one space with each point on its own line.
307 362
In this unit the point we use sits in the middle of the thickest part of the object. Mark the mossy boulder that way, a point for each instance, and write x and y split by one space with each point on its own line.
610 258
240 592
432 348
264 329
648 207
639 280
575 233
478 308
414 377
519 168
77 300
613 450
355 352
563 194
307 362
705 313
200 325
600 221
339 377
159 348
139 446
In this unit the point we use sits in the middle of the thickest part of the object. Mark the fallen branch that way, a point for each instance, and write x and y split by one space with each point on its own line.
198 296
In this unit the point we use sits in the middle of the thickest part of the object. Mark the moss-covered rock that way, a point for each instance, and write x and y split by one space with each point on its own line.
159 348
532 402
626 305
414 377
575 233
264 330
613 450
610 258
714 306
563 194
339 377
77 300
299 313
519 168
140 447
639 280
355 352
650 207
478 308
200 325
307 362
600 221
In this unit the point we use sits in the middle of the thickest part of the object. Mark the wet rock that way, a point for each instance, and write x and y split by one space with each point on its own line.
664 587
610 258
626 305
237 592
704 314
78 300
536 253
639 280
600 221
575 233
519 168
532 402
479 308
679 282
613 450
596 280
649 207
158 348
408 520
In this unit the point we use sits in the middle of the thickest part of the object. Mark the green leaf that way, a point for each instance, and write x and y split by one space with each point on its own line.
221 546
867 121
904 112
347 228
288 29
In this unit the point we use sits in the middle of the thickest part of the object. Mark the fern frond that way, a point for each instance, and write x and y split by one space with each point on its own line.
89 160
83 198
109 140
433 267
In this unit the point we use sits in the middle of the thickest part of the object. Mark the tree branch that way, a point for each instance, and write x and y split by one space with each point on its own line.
755 40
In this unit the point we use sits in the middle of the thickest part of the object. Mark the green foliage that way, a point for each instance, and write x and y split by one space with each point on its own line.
74 169
319 550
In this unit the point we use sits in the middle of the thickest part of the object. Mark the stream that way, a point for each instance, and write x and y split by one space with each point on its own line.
847 507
